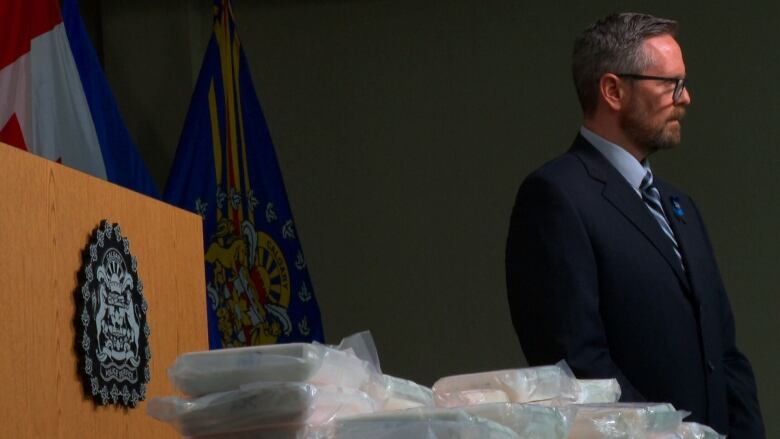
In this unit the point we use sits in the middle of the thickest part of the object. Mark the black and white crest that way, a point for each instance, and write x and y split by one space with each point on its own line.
113 331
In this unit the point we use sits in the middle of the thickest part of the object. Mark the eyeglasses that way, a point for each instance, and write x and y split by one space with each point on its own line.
679 83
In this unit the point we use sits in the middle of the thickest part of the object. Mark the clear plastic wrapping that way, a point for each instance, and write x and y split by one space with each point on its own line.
236 409
362 345
529 421
690 430
286 408
598 391
424 423
625 420
314 391
545 383
399 394
202 373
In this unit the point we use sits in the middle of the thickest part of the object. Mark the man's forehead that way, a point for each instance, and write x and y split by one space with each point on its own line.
662 43
665 52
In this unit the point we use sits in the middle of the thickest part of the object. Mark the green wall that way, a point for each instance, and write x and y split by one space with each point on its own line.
404 128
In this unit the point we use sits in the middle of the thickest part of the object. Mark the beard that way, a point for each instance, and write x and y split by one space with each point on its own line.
648 134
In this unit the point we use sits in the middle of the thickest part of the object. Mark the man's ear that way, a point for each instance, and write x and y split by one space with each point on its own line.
611 91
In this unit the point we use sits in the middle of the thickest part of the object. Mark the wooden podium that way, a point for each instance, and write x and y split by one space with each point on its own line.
47 215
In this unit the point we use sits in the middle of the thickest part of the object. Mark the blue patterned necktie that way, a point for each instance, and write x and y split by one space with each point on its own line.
652 199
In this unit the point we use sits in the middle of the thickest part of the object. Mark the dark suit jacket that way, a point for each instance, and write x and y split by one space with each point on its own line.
593 280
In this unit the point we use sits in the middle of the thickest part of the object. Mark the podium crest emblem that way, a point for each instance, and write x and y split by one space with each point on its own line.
113 330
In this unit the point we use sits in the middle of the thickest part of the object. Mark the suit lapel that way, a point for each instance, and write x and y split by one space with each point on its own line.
623 197
678 222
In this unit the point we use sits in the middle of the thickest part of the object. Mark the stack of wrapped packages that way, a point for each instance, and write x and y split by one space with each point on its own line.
281 391
589 407
314 391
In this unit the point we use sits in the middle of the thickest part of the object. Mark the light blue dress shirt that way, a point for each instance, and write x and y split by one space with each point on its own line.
626 164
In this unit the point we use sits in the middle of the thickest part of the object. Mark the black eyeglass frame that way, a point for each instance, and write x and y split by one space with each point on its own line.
679 83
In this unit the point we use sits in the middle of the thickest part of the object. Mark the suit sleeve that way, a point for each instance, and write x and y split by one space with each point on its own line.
745 418
553 287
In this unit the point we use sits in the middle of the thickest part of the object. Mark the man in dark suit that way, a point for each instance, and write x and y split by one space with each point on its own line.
611 269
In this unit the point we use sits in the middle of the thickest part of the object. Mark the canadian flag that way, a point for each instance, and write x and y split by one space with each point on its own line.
54 99
44 109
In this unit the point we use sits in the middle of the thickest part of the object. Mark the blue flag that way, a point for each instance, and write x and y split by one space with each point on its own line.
258 286
122 163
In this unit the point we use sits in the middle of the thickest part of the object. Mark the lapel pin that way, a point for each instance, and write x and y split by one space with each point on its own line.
677 209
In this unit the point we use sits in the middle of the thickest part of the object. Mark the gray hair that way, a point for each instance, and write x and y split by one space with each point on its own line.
613 45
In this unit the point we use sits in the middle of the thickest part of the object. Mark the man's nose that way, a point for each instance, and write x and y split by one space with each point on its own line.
685 98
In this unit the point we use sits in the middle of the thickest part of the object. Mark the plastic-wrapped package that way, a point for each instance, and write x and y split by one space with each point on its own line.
598 391
400 394
424 423
285 407
362 345
690 430
553 383
343 369
625 420
294 431
201 373
529 421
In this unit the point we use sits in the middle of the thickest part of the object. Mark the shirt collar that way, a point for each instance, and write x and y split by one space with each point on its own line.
626 164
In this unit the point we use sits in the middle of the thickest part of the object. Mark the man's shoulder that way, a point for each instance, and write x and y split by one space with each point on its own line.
563 170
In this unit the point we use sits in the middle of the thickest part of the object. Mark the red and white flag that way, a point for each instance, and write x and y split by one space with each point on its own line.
55 100
43 108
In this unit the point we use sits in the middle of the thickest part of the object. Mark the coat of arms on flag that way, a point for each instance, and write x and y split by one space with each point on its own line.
259 291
